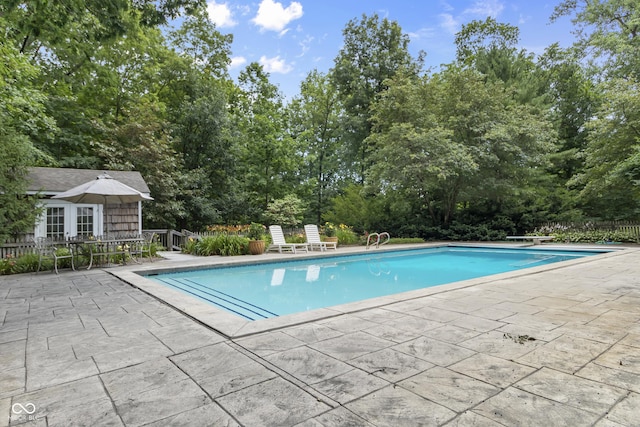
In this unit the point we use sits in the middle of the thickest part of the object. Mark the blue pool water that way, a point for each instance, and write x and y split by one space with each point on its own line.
274 289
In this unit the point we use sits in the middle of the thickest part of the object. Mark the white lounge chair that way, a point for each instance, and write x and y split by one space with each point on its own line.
313 238
278 242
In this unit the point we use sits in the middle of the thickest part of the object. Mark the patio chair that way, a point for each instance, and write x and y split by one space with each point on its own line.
313 238
278 242
146 245
46 247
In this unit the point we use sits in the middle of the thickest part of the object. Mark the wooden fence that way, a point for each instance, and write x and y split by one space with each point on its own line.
23 244
18 246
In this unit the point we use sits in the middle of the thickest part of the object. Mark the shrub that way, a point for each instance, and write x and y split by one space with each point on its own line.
405 240
346 236
463 232
588 233
190 246
23 264
255 231
7 265
218 244
296 238
329 229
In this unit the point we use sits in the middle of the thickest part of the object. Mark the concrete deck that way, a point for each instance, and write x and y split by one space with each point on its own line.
555 346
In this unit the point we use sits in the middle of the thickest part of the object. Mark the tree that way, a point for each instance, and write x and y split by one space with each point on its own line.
22 119
575 98
269 155
316 126
208 50
144 145
374 50
287 211
608 32
453 138
417 154
477 37
18 212
204 139
610 182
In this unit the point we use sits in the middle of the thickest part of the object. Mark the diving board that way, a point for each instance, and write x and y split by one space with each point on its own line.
537 240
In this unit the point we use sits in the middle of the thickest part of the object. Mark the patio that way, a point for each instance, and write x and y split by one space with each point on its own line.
559 346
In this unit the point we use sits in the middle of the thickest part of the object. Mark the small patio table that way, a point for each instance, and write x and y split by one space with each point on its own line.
106 248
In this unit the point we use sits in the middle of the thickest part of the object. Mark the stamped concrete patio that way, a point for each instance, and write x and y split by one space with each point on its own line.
553 347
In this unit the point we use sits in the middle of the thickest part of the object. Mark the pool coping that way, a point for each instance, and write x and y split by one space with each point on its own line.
233 326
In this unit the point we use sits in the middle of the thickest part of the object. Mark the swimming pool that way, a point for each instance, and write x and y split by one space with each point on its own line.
268 290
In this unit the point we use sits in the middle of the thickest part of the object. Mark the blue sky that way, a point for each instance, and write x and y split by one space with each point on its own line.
291 38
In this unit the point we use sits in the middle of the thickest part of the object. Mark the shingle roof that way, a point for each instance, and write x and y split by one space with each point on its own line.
56 180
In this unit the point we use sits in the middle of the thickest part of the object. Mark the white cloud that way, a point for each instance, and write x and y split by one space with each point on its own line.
274 17
305 44
484 8
425 33
480 9
446 6
220 14
237 62
449 23
523 19
275 65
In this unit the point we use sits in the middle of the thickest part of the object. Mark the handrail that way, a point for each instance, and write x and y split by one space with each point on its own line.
378 237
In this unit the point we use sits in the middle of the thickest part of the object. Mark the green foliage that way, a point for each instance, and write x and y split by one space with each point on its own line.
453 138
463 232
268 154
287 211
478 36
255 231
405 240
485 146
350 207
23 264
190 246
220 244
329 229
296 238
18 211
374 50
7 265
610 181
315 122
607 32
589 232
346 235
22 121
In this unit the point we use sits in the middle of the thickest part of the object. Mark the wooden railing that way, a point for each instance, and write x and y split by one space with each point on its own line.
171 240
18 246
23 244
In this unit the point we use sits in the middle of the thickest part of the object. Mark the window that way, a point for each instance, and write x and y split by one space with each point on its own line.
55 223
84 221
63 220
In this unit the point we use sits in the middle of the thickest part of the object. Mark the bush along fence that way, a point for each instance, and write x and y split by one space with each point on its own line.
591 231
20 254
